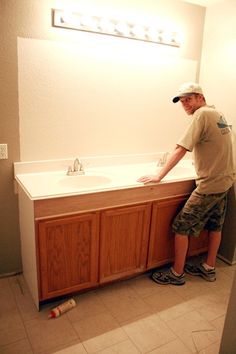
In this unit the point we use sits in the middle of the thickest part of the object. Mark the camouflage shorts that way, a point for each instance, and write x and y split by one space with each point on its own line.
201 211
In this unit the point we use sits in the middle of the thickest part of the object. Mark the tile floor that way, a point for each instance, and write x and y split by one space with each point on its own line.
130 317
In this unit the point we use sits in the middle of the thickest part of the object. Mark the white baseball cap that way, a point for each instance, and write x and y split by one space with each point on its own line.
187 89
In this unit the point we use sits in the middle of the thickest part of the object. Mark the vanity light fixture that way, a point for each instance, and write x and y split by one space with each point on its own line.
112 27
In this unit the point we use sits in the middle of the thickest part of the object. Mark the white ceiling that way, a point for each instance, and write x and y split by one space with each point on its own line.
204 3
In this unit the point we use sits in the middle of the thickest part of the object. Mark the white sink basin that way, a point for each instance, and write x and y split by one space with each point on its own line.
84 181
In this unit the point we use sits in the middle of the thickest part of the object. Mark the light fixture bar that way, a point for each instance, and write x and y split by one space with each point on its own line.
112 27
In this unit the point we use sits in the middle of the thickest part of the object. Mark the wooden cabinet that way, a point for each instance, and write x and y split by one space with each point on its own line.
68 254
124 241
77 242
199 244
87 249
161 245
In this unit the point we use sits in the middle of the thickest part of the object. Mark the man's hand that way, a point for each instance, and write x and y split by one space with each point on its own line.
175 157
149 178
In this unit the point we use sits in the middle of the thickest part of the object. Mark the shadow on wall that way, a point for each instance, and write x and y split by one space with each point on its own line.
227 250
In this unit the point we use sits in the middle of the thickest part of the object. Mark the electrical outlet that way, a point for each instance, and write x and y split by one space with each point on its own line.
3 152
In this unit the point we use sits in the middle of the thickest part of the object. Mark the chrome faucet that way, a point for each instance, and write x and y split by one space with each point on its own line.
77 168
162 160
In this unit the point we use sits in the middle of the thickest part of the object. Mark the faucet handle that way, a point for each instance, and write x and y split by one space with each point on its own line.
81 167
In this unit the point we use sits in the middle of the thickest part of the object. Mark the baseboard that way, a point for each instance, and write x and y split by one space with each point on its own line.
226 260
12 274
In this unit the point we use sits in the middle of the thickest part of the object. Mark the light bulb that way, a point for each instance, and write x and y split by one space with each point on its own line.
138 31
106 25
152 33
174 38
122 28
66 17
160 36
167 37
87 21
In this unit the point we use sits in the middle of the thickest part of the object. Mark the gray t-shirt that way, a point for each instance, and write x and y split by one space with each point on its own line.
209 137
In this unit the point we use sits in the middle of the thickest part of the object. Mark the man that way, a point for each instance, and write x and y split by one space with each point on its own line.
209 137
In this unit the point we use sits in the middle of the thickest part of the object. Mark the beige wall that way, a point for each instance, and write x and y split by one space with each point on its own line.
218 70
86 99
218 77
32 19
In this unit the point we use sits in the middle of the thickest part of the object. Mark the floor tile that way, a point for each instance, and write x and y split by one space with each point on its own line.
123 302
7 299
213 310
168 304
87 305
126 347
193 287
127 317
99 332
128 310
73 349
20 347
46 334
173 347
11 324
144 286
218 323
195 331
149 333
223 280
175 311
23 298
11 327
212 349
120 290
227 268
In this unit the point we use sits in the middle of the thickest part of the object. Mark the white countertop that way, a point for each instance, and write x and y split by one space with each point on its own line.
47 179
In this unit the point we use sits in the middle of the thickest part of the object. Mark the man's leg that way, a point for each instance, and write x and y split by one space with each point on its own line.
213 246
181 249
175 275
207 270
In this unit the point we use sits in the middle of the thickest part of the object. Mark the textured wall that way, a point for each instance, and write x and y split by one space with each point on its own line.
32 19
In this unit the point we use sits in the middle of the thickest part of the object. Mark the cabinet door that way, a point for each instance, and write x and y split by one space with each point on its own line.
124 241
199 244
161 246
68 254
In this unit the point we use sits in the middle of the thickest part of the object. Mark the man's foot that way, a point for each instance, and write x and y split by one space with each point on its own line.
168 277
209 275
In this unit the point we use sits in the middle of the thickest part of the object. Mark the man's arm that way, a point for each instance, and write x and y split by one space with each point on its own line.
174 158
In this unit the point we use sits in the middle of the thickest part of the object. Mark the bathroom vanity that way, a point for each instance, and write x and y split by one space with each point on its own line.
78 240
